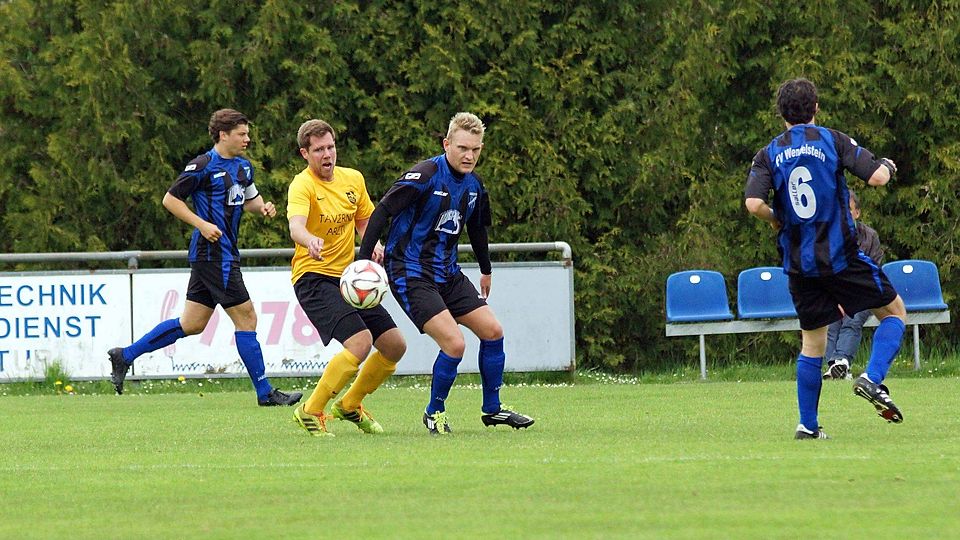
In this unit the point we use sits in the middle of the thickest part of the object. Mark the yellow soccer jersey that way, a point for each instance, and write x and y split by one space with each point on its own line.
331 209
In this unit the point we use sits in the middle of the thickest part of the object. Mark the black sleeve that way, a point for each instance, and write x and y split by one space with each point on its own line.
190 178
855 158
399 197
378 222
481 246
760 178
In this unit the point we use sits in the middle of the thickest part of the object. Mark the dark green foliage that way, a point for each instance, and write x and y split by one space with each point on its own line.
625 129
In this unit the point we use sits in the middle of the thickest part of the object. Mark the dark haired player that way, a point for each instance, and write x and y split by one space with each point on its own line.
220 182
817 241
429 206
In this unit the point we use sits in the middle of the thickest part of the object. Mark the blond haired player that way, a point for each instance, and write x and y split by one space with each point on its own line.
327 206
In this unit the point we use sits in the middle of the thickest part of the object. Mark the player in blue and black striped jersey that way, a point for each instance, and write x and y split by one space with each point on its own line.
220 182
817 240
430 205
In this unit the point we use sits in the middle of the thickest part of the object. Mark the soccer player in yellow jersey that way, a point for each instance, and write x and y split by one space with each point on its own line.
327 206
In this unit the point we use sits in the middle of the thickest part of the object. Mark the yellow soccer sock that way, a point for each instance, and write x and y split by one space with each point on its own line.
375 370
342 367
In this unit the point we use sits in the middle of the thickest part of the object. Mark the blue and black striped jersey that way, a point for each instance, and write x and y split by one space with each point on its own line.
804 166
218 187
433 206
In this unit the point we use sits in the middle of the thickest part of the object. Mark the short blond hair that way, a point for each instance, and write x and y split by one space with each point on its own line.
313 128
468 122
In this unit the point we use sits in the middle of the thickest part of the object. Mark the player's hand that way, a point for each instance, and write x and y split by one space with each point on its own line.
377 254
485 285
268 210
890 165
776 225
315 247
210 231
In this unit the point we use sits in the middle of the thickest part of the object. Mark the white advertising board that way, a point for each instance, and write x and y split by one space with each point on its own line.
532 303
71 319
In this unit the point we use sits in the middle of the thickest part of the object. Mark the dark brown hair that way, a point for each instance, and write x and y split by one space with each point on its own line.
225 120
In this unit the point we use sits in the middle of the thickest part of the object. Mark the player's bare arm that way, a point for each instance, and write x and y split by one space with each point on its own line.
258 206
303 237
183 212
762 210
884 173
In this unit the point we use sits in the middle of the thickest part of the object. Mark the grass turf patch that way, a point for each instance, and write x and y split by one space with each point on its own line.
604 460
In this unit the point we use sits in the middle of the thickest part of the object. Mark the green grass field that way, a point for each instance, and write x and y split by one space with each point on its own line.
690 460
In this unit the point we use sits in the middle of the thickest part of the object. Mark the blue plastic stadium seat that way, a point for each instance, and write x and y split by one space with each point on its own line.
918 283
697 295
764 293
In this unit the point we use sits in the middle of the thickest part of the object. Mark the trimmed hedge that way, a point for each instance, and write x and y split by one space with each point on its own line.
625 129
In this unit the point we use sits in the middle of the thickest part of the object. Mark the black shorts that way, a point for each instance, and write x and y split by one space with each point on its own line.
422 299
331 315
213 283
862 285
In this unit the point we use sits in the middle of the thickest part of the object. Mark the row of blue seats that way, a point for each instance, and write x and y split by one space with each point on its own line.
763 293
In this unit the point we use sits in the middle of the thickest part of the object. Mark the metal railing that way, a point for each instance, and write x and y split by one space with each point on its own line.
133 258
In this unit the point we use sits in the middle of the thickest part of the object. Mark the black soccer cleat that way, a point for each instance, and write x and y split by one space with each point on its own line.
277 398
879 397
437 423
507 417
119 368
805 434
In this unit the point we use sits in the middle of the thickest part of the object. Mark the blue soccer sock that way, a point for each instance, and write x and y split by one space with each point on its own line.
162 335
444 373
252 356
886 345
492 360
809 381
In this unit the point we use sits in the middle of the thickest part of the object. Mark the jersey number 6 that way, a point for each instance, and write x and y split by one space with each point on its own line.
802 198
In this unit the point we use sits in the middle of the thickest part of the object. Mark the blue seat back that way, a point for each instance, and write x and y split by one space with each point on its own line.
918 283
697 295
764 293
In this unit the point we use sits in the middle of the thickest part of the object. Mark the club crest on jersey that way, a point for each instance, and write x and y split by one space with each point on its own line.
449 222
235 195
352 197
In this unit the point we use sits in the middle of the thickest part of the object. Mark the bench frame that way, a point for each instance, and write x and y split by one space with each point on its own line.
749 326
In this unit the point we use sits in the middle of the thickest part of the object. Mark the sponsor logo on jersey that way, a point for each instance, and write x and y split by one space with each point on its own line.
235 195
472 200
441 193
191 167
219 174
449 222
412 176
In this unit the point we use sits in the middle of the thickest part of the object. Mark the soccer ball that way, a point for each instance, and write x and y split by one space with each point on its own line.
363 284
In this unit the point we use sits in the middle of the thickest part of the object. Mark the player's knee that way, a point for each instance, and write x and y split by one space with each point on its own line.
492 331
454 346
897 308
359 344
192 328
395 350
